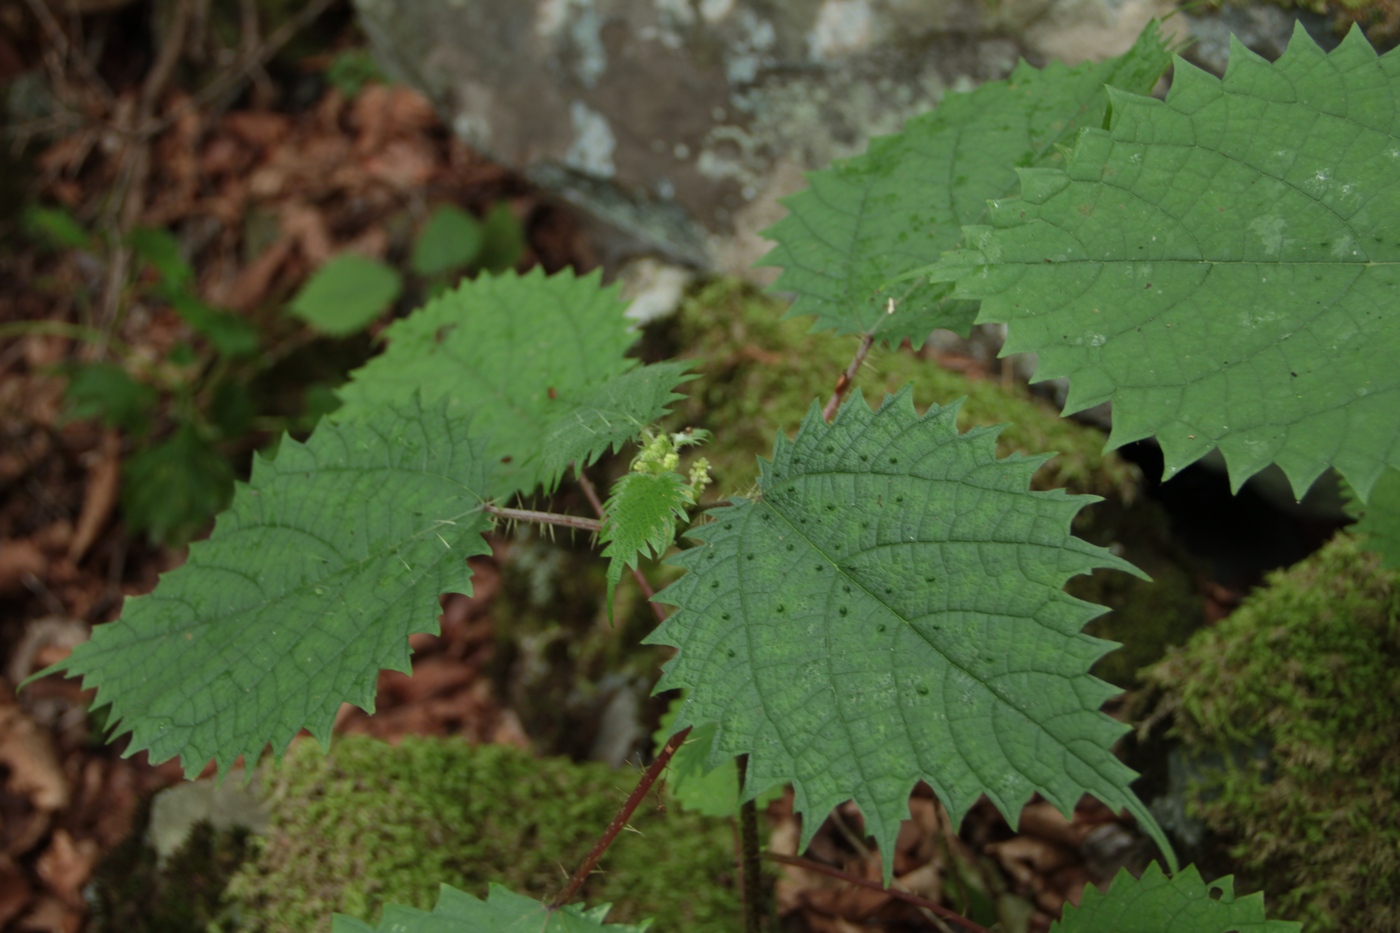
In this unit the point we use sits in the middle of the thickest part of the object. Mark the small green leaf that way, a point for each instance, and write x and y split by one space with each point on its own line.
173 489
503 911
107 392
502 240
612 414
1155 903
346 294
890 609
641 522
1378 519
328 560
161 250
697 785
526 355
351 69
449 240
228 333
865 221
232 409
1220 265
56 228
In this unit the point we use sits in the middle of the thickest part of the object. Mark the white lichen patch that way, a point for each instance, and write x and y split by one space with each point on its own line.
594 143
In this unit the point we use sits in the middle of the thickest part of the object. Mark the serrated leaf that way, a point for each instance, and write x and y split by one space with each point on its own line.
612 414
503 911
449 240
864 221
641 520
1378 519
171 490
527 354
346 294
327 561
1222 266
1155 903
890 609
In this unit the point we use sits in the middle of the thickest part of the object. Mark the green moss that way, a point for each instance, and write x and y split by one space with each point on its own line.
761 372
1309 666
372 823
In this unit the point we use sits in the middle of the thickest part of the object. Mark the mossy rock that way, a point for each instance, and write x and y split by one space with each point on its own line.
760 373
1307 671
370 824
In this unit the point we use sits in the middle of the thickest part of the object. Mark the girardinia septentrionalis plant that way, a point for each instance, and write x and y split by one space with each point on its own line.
886 606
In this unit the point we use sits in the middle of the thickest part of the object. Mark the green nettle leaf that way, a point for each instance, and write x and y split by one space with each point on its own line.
450 239
1379 519
161 250
641 522
531 356
56 228
327 561
611 415
346 294
503 911
1222 266
889 609
864 221
1155 903
172 489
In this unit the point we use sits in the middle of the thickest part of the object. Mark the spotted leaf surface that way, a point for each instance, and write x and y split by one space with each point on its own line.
889 609
1222 266
328 560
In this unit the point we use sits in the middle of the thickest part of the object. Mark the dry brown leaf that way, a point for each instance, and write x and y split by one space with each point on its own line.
29 754
19 559
66 866
15 891
51 915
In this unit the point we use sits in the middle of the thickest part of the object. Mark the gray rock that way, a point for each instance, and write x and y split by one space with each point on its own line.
679 123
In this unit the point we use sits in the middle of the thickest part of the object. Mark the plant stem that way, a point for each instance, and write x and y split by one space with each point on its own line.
544 518
638 794
844 382
950 915
748 833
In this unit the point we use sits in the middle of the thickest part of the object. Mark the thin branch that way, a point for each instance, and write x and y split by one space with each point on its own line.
544 518
619 821
944 912
844 382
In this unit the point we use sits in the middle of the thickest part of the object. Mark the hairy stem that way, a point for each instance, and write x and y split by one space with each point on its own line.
950 915
748 832
844 382
590 861
544 518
